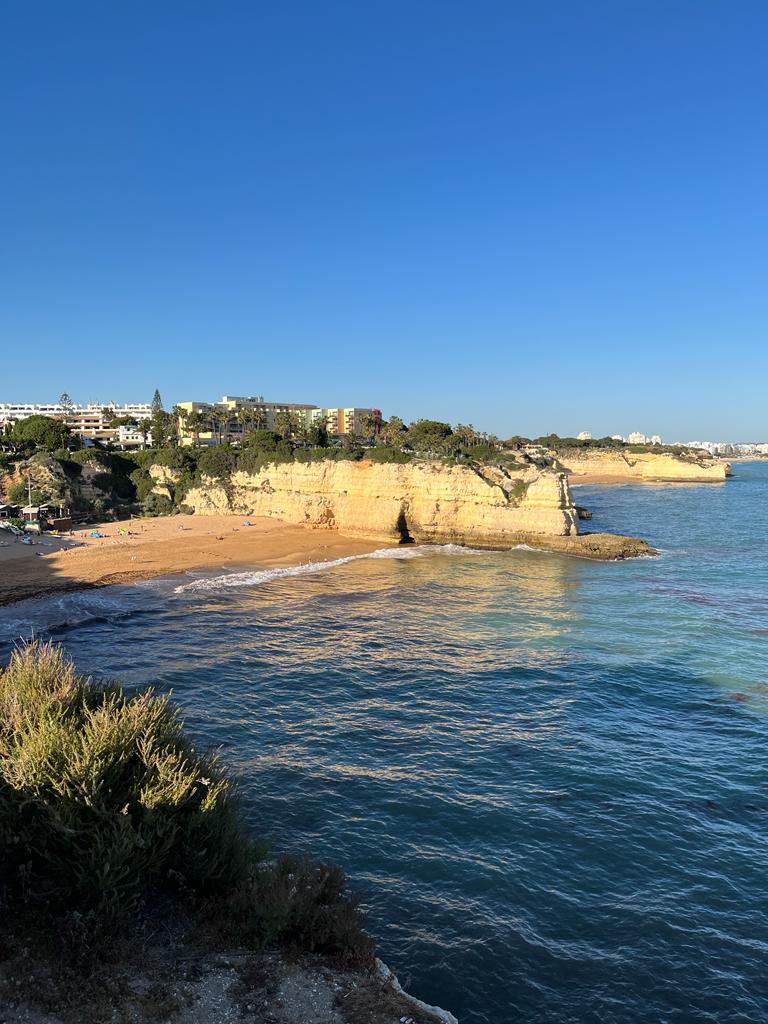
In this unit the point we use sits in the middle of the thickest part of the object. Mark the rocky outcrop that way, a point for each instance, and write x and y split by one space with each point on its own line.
645 467
80 489
418 501
602 546
44 473
165 480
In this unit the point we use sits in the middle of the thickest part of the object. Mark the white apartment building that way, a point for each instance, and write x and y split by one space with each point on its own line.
12 411
585 435
129 438
637 438
88 422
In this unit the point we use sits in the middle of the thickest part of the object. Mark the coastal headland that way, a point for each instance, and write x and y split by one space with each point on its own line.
423 502
606 466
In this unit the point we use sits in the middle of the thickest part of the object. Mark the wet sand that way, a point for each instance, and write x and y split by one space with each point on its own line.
147 548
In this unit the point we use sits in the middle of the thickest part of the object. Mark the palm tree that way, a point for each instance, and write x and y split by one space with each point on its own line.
370 423
220 420
284 424
181 416
244 417
259 414
393 431
467 435
195 423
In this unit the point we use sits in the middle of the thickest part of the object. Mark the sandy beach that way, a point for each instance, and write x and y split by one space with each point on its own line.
145 548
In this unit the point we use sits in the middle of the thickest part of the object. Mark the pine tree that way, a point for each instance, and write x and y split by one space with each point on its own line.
157 402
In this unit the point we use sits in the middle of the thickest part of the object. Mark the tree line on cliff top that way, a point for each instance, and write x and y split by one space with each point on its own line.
123 483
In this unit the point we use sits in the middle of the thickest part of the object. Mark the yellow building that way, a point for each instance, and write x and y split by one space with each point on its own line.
227 420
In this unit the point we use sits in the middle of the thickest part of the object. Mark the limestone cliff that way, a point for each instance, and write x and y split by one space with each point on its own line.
425 501
422 501
648 467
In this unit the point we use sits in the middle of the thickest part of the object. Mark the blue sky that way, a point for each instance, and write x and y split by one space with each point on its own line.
527 216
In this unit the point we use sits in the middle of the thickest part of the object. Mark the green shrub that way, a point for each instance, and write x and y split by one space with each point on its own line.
299 904
87 455
265 440
158 504
116 486
217 462
143 483
349 454
72 469
143 458
383 453
483 453
253 460
176 458
101 795
517 491
41 432
123 488
184 484
104 804
19 494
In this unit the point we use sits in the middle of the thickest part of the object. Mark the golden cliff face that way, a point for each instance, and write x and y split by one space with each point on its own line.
645 467
423 501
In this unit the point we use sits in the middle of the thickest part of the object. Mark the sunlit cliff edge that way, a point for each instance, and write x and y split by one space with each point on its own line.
645 467
426 502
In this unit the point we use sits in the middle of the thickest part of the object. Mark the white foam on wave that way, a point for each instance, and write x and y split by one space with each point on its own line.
255 577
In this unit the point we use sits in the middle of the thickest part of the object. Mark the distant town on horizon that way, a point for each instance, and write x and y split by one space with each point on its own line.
125 424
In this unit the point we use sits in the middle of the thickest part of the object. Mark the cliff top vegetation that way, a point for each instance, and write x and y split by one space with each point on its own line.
99 483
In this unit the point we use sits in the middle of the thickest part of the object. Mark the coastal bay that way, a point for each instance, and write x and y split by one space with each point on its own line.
545 773
144 549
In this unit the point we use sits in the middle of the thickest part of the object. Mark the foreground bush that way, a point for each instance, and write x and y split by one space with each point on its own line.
102 796
104 803
297 904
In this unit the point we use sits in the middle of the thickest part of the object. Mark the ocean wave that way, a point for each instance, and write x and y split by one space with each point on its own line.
40 616
255 577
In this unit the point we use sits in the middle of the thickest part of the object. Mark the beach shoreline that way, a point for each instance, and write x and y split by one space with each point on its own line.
143 549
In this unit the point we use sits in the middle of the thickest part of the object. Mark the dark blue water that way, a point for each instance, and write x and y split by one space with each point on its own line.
548 775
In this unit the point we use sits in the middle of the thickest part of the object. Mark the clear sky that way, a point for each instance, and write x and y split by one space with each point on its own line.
528 216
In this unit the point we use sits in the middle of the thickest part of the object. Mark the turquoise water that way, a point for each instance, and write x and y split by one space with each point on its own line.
548 775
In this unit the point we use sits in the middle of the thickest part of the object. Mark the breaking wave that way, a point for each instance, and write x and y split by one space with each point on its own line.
255 577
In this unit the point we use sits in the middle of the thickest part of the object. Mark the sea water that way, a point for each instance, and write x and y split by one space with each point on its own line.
547 775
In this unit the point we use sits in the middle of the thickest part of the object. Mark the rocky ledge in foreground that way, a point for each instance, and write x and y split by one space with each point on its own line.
184 985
